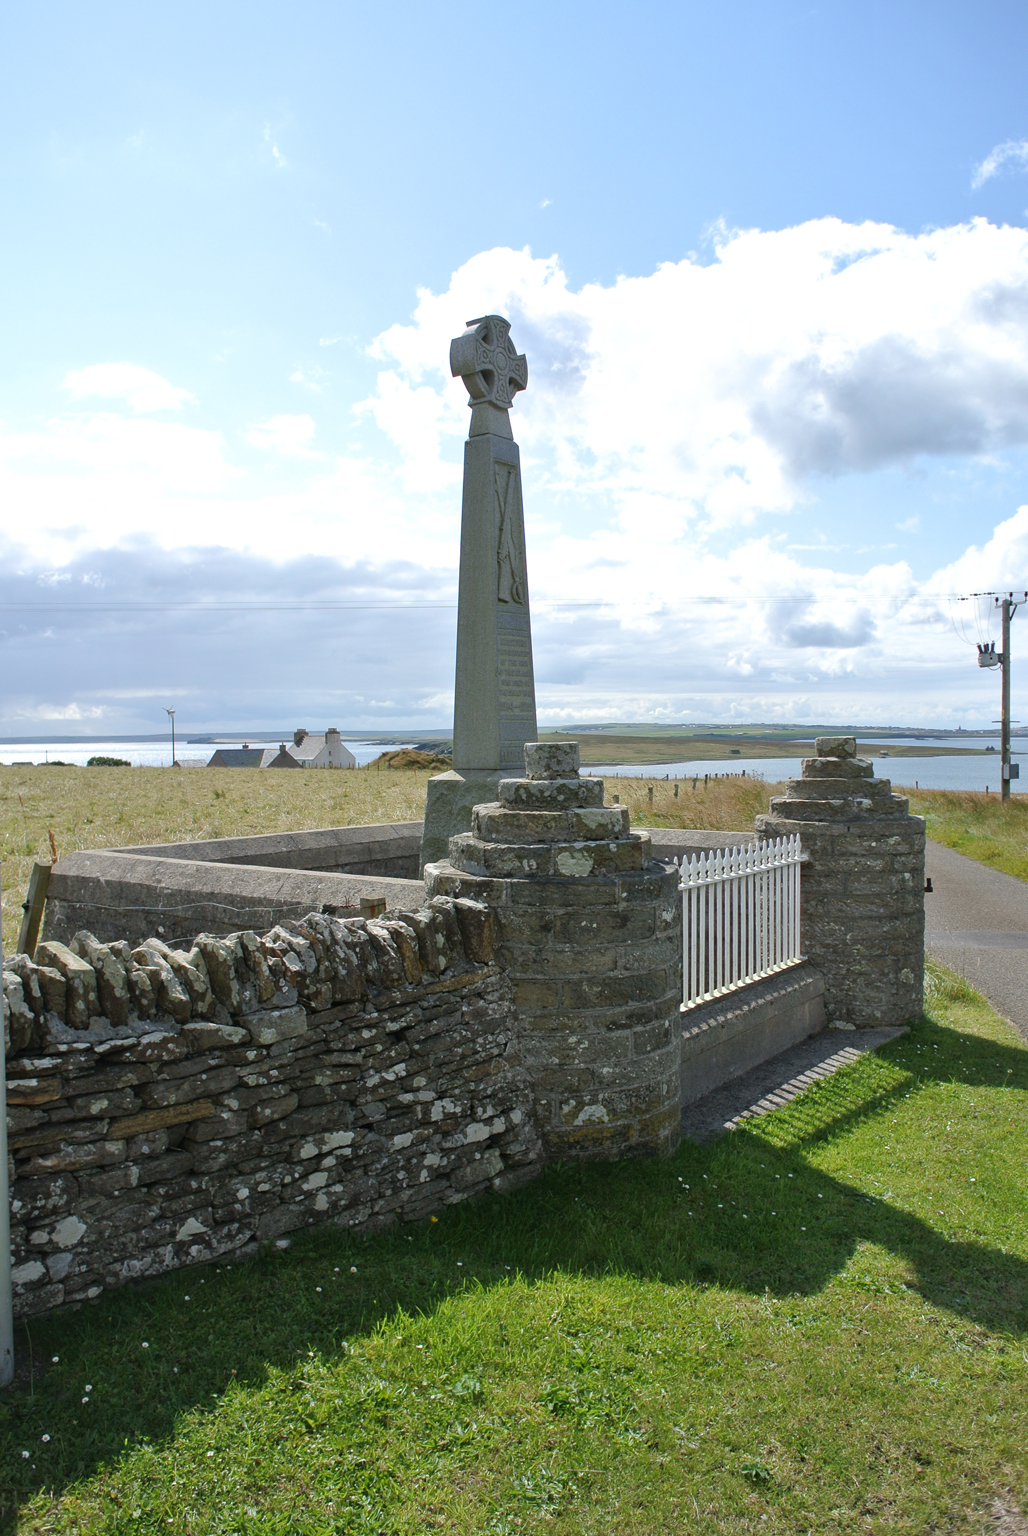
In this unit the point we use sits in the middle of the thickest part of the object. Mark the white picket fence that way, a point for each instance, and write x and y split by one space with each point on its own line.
740 916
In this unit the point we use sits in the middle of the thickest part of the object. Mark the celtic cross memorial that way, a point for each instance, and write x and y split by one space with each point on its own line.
494 696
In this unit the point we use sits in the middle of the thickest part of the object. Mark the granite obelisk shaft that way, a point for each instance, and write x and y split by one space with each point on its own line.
494 696
494 699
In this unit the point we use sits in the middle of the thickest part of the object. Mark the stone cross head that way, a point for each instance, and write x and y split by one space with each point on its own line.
486 360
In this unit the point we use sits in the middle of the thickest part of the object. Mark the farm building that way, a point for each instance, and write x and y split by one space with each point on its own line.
253 757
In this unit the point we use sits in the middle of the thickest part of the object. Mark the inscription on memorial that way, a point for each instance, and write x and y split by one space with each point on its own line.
514 675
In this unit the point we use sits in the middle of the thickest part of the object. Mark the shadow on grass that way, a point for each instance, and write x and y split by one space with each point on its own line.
701 1217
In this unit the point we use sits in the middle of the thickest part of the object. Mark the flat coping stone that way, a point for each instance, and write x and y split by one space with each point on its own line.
668 843
192 895
313 849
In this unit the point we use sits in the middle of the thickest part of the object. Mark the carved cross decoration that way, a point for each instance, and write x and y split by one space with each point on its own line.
486 360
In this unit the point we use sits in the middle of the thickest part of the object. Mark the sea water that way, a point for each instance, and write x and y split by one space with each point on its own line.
152 754
971 772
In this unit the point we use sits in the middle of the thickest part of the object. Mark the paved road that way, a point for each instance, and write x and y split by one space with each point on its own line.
976 922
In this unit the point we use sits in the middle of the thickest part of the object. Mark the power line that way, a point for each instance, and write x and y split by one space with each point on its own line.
231 605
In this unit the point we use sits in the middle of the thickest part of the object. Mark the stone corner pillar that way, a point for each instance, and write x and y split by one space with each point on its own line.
588 929
862 885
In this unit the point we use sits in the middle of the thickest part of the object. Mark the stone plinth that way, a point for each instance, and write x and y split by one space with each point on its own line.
587 926
862 889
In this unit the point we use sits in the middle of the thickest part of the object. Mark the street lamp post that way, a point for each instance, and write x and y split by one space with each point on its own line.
171 716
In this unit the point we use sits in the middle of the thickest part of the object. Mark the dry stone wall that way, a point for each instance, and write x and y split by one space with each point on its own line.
167 1108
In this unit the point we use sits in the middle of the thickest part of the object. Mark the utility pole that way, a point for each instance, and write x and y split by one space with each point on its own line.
1004 708
988 656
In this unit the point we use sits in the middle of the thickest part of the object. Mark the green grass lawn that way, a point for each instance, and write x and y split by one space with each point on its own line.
816 1324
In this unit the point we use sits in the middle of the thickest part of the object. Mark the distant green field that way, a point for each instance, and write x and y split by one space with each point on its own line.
672 747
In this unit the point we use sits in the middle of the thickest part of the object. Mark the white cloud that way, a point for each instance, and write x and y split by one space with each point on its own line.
999 563
715 393
309 377
142 390
665 417
69 712
94 481
290 435
276 154
1012 151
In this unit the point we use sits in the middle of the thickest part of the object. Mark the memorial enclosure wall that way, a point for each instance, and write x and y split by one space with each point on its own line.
178 1098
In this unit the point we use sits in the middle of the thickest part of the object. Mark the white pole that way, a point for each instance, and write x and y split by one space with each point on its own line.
6 1295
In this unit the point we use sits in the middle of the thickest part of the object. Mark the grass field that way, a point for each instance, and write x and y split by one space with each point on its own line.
817 1324
118 807
979 825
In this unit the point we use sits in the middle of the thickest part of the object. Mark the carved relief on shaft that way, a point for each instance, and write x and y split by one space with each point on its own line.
510 583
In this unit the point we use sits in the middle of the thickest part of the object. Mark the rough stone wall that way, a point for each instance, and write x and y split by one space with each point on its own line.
589 929
862 887
169 1108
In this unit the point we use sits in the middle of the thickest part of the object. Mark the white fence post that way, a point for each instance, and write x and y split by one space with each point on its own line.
740 916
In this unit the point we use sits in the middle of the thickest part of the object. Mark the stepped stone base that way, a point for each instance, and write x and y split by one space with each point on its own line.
732 1034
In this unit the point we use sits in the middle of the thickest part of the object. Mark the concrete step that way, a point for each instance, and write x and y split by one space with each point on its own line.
776 1082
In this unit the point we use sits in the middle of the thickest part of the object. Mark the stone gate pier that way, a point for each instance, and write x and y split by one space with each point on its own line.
862 889
588 928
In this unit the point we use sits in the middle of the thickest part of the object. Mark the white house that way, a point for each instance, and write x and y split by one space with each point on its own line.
321 751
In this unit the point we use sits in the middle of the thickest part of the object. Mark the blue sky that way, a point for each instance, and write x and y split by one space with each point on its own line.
768 262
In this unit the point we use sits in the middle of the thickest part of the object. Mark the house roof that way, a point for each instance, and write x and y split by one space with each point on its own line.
237 757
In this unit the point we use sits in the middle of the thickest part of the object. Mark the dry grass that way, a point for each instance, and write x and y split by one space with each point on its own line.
980 826
119 807
722 805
